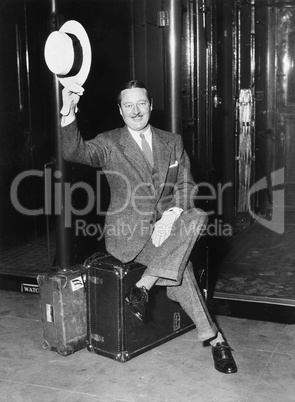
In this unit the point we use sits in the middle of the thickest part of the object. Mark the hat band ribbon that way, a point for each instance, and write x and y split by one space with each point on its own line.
78 57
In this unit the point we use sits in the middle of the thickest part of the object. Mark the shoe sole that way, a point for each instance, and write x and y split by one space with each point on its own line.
226 372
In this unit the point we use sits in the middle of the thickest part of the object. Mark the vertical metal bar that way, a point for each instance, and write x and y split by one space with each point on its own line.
197 98
236 88
207 290
188 112
28 77
252 60
19 72
252 43
63 252
238 77
48 209
271 88
132 50
173 51
209 100
192 16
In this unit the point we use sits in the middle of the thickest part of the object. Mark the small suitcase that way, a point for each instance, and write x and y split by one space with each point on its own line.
113 331
63 310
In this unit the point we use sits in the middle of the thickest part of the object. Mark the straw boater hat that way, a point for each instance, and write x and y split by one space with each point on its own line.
68 53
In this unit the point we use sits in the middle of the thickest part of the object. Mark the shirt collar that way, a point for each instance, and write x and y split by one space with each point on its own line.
146 131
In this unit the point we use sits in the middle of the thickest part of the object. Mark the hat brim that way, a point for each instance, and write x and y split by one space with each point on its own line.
75 28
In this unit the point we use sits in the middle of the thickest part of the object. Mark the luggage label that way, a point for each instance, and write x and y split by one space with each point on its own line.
78 283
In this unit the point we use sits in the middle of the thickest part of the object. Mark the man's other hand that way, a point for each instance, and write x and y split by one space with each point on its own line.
163 227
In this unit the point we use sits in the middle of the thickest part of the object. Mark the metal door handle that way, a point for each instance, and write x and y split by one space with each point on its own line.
217 100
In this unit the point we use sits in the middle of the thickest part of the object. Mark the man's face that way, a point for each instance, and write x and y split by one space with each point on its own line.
135 108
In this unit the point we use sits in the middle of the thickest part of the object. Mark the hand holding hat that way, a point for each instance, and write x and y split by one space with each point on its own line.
70 97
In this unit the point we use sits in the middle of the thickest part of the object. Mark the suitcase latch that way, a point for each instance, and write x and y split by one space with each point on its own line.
176 321
96 280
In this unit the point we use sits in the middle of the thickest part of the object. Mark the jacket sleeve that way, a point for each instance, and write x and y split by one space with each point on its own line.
185 189
94 152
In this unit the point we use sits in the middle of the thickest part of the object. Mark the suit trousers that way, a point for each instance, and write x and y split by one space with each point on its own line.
170 263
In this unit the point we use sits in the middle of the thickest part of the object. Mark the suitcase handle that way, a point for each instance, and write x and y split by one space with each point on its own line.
68 270
99 255
66 280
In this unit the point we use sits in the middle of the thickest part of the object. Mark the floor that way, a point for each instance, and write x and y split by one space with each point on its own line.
179 370
257 264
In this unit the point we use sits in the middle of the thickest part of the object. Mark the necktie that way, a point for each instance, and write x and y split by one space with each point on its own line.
146 149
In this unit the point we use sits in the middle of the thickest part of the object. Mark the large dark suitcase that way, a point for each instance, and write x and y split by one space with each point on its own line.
63 310
113 331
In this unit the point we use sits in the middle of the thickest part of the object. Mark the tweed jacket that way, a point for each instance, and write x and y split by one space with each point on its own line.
137 200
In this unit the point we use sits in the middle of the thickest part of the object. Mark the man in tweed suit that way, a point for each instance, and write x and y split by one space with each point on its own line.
152 194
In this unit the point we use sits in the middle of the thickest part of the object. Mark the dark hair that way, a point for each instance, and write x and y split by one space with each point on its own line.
133 84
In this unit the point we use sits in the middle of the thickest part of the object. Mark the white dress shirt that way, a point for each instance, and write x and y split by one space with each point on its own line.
147 134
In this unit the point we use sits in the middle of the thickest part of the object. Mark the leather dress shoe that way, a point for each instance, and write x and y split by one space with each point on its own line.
223 359
137 299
